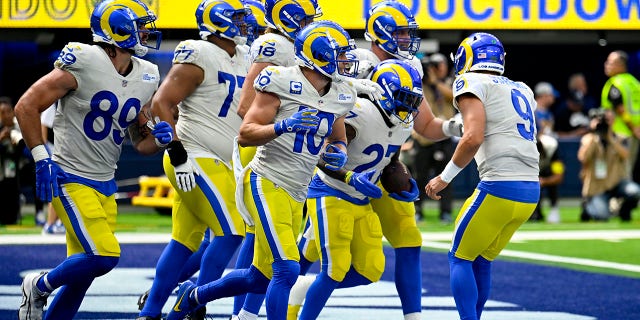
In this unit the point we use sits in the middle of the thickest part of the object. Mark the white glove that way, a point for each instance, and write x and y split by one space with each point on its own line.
186 176
365 86
452 127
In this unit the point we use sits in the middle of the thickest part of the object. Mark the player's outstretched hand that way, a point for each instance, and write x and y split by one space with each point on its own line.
453 127
407 196
334 158
362 182
47 175
303 120
163 133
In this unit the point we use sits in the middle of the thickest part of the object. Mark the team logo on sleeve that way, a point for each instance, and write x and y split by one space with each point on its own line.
295 87
460 83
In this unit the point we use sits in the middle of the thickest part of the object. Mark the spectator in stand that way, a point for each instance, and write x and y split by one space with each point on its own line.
11 146
578 84
551 176
621 93
604 157
572 121
545 98
431 157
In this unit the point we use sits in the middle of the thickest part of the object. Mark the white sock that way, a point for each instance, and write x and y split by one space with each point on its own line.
413 316
299 290
246 315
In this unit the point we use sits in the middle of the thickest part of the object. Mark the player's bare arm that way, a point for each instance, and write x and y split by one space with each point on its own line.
182 81
257 127
248 92
473 116
42 94
140 133
426 123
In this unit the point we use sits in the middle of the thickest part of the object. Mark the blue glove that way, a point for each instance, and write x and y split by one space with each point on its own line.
362 182
407 196
302 120
163 133
47 175
334 157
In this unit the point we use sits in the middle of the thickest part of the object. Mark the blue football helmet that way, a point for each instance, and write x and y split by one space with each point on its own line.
385 23
119 22
402 88
321 44
479 51
255 21
289 16
224 19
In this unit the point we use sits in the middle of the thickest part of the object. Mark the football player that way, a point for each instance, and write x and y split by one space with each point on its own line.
256 23
500 132
346 229
102 90
392 28
296 109
204 83
274 48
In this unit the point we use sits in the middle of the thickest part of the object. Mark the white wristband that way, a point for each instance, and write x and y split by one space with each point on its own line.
39 152
450 172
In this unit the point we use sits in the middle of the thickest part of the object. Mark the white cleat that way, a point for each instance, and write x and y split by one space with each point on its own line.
33 301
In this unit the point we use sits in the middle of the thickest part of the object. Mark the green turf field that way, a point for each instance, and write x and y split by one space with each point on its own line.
623 251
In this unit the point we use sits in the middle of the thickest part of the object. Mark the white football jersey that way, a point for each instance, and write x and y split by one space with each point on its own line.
91 121
289 159
273 48
372 147
367 60
509 149
208 119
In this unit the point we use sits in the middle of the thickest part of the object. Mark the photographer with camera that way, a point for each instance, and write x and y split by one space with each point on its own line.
604 156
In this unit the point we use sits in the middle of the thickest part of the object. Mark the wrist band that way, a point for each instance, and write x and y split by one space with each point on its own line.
39 152
450 172
347 177
177 153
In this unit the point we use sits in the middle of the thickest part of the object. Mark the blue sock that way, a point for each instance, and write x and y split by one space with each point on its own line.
482 272
320 290
408 275
67 300
304 265
285 273
193 263
76 269
75 274
233 283
253 302
463 287
245 256
216 258
166 279
353 279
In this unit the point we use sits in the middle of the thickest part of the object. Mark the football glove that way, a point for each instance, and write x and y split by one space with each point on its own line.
163 133
453 127
407 196
303 120
334 158
184 170
361 181
367 87
47 175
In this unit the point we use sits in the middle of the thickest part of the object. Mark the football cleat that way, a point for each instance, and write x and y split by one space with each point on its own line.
142 299
479 52
402 88
33 301
149 318
183 306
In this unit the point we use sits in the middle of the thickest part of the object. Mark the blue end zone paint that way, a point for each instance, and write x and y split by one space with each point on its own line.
530 286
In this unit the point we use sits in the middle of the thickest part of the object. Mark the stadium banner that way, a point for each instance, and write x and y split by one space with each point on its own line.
430 14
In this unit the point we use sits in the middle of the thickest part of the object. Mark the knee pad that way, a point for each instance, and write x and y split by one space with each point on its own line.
286 271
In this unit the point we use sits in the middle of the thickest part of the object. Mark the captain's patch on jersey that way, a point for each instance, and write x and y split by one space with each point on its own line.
295 87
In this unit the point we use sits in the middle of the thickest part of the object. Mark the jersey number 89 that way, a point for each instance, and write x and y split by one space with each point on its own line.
100 130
